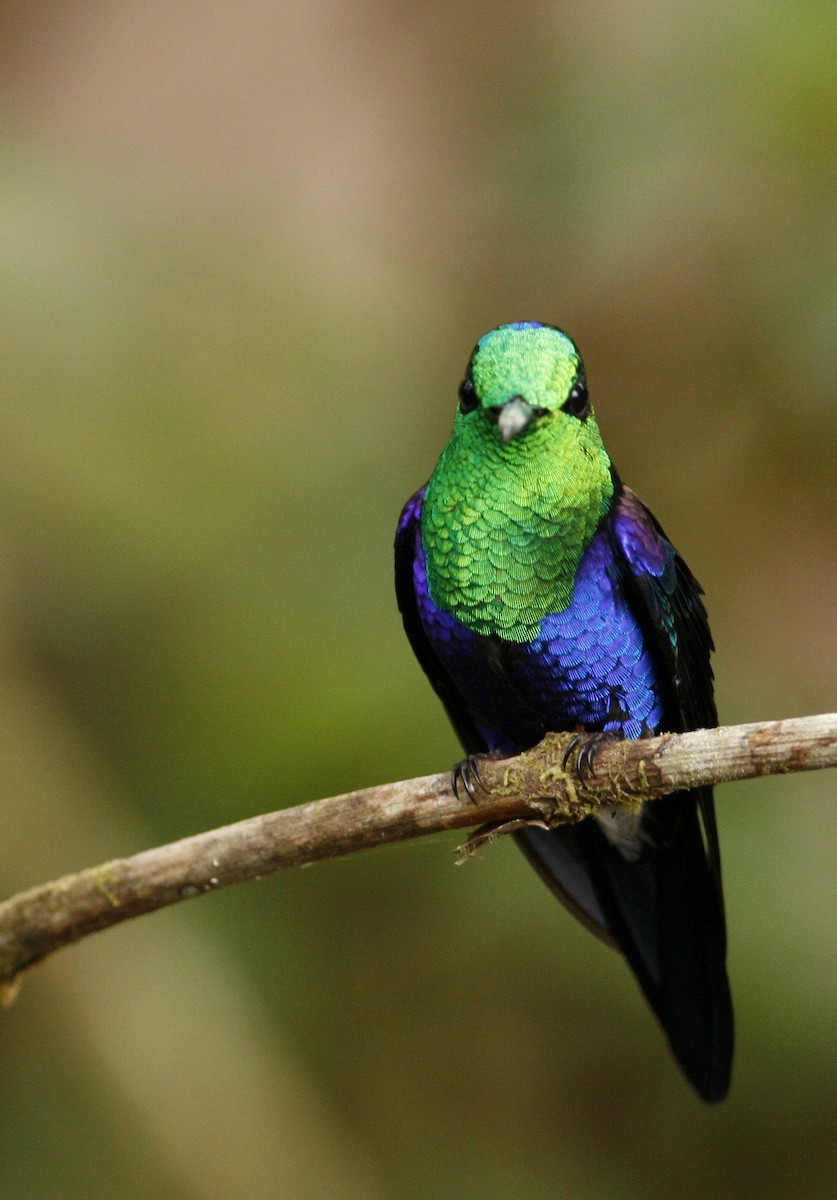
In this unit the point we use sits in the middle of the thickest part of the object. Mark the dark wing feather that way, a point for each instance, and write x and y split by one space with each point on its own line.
664 912
688 990
670 607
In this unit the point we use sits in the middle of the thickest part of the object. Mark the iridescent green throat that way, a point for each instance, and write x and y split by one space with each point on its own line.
504 526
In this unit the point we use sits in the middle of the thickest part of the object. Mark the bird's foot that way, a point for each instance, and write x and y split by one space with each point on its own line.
466 774
583 749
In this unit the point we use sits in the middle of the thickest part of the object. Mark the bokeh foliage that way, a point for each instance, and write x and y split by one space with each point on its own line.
245 253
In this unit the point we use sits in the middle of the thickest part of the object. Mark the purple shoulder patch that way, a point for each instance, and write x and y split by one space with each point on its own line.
411 511
642 542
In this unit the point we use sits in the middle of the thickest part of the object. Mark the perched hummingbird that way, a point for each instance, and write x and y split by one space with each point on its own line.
540 594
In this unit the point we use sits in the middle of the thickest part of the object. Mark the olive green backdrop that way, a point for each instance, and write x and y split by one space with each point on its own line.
245 250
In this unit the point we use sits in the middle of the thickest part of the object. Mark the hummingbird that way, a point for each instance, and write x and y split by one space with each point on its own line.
539 594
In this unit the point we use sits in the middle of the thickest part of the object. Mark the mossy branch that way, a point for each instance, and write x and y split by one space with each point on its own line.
536 786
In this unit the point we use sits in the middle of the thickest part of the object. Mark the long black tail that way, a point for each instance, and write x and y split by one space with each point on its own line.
665 913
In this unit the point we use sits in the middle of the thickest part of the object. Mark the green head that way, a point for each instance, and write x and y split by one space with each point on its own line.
521 486
525 378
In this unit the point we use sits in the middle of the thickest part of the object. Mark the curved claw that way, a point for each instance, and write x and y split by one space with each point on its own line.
568 753
585 747
467 774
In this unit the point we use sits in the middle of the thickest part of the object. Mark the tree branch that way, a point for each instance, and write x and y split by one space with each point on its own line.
533 787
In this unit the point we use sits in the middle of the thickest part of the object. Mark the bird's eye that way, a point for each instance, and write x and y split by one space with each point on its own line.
468 399
577 403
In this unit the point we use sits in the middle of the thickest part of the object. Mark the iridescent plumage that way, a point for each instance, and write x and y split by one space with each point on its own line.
540 594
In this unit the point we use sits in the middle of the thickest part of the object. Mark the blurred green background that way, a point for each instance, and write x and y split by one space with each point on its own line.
245 250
